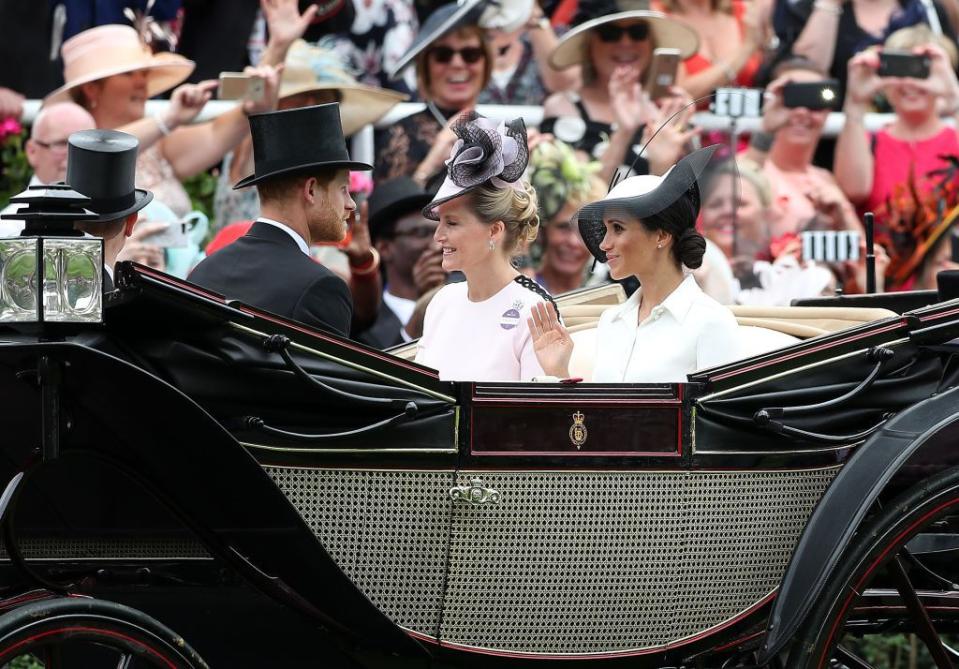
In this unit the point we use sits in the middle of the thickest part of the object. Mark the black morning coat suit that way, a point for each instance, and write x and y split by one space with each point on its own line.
266 269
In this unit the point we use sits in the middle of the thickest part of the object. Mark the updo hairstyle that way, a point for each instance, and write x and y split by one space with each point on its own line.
679 220
518 209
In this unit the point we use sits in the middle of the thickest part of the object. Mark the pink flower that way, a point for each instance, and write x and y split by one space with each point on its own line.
9 126
360 182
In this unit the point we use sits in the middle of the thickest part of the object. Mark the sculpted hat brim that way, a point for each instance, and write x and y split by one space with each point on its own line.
640 197
254 179
440 22
141 199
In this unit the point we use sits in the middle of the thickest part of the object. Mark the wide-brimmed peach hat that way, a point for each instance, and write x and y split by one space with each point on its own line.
313 68
107 50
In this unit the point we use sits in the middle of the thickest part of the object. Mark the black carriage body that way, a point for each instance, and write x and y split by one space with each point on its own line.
473 524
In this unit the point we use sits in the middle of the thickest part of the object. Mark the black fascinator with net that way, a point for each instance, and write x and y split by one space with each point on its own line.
485 152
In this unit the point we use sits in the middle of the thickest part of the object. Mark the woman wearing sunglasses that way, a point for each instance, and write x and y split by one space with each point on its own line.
606 118
453 65
476 330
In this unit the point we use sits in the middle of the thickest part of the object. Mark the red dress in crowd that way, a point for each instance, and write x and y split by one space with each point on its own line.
912 188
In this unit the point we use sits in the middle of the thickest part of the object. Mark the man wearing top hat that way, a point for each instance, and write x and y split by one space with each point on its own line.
101 164
301 172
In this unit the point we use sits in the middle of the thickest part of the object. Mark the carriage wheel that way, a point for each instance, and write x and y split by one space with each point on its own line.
89 633
882 592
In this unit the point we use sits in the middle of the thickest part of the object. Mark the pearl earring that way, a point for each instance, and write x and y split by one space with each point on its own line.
659 246
492 245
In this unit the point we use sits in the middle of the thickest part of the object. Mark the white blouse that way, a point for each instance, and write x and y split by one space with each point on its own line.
688 331
480 341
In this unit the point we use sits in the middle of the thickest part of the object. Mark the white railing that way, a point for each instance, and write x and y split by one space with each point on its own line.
363 140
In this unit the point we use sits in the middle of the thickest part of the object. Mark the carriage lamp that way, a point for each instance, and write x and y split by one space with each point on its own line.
51 273
55 280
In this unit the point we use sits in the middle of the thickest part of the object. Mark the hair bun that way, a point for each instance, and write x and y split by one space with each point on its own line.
690 248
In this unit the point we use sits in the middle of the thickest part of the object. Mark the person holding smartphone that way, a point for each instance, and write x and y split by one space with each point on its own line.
111 73
785 147
731 37
607 117
897 172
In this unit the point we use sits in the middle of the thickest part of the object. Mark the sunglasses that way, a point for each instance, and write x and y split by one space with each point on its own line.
470 54
638 32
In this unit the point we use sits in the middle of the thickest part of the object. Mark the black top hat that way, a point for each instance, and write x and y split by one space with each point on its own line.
394 199
101 164
298 140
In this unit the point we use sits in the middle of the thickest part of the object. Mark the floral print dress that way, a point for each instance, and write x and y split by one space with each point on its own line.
382 32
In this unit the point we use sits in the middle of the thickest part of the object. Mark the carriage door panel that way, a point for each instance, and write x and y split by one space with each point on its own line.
593 541
388 531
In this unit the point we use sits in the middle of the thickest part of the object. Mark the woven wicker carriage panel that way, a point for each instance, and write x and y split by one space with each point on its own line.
387 530
87 548
566 562
573 563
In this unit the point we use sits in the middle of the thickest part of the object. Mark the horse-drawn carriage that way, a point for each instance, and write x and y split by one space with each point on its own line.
283 497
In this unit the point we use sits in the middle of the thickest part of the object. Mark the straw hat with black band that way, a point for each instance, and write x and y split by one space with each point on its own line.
666 33
109 50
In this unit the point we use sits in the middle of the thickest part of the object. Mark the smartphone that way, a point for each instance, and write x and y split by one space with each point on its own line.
830 245
814 95
738 102
240 86
903 64
174 236
662 72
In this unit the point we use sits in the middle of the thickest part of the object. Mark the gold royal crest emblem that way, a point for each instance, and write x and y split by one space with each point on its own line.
578 433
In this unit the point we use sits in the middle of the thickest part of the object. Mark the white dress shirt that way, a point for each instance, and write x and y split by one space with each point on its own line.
288 230
688 331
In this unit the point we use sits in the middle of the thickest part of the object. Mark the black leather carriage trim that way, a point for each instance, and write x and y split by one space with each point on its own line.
529 284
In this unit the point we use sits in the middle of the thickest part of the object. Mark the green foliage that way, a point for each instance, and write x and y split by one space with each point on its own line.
15 173
25 662
14 169
894 651
201 189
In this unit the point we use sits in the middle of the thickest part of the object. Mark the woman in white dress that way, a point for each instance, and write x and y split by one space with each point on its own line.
645 227
476 330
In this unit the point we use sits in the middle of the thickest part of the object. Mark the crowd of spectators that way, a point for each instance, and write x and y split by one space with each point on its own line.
586 63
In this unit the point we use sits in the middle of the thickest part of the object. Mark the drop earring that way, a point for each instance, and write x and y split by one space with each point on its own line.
492 245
